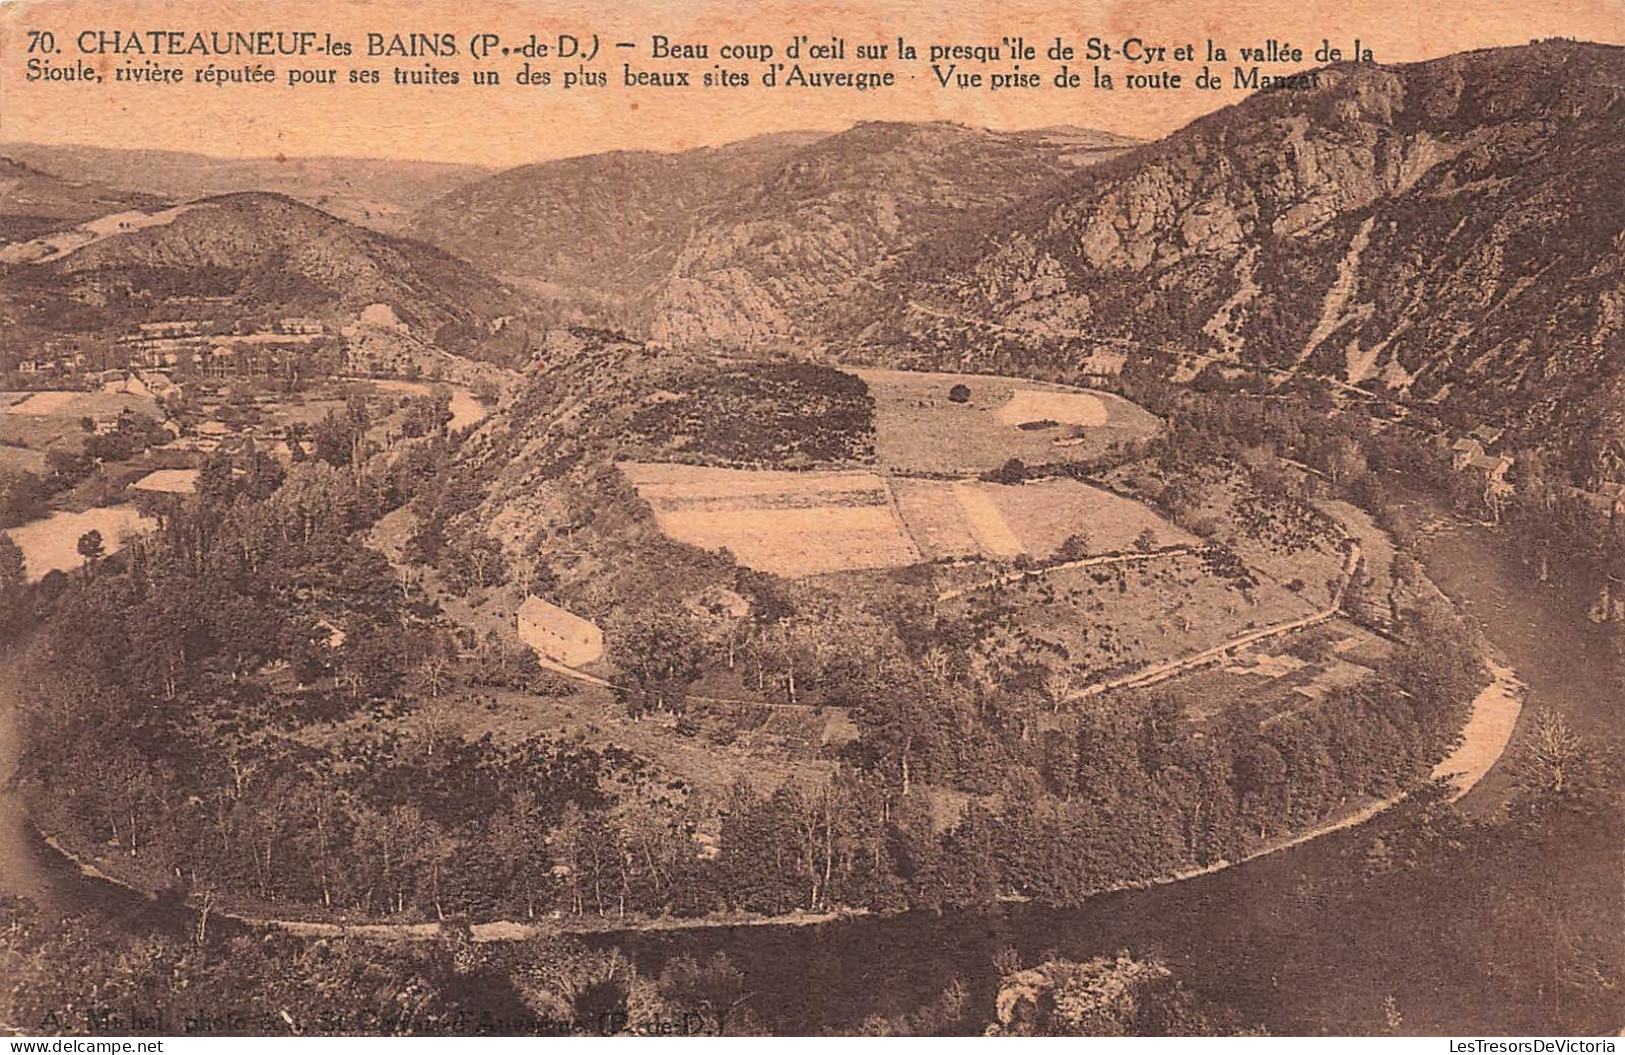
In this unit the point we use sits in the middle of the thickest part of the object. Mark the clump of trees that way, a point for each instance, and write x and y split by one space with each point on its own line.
792 415
1109 996
75 976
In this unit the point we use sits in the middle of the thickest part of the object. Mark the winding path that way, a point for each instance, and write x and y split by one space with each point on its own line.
1159 672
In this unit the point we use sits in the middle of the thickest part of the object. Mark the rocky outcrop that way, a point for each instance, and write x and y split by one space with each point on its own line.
794 249
1446 232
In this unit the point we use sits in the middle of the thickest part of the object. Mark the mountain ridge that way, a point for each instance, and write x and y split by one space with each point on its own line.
1441 231
623 232
375 192
267 253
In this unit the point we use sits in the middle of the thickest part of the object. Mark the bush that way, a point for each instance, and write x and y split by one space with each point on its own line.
553 686
1313 646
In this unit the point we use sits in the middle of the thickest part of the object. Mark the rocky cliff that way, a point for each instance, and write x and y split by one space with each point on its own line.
1448 232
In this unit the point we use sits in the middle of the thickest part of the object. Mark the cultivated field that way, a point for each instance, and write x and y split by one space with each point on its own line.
791 524
811 523
1028 405
168 481
75 405
52 544
1003 521
919 429
48 420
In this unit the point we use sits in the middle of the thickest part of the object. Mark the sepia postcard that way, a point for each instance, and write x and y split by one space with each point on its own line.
543 519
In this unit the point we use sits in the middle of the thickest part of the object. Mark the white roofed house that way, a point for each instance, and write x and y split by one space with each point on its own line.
557 635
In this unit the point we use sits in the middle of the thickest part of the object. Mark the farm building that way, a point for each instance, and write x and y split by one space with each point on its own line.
1463 451
168 481
558 635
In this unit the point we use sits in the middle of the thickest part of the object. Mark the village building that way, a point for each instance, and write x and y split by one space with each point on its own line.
147 383
171 328
1492 467
168 481
558 635
1463 451
189 445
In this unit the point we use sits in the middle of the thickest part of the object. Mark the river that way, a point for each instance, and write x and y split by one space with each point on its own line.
1242 934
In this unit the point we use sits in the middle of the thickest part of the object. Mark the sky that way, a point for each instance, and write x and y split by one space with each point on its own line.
513 125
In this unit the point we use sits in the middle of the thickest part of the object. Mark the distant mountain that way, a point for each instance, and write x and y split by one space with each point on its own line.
33 202
745 241
599 229
378 193
779 261
1451 232
263 254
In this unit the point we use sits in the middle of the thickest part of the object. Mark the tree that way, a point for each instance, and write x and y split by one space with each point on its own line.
1556 765
433 673
909 719
1013 471
216 482
91 549
959 394
341 438
715 989
1076 547
372 661
22 498
13 564
1058 683
1117 996
659 657
426 415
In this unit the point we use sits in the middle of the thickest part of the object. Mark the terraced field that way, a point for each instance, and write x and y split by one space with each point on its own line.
1004 521
812 523
791 524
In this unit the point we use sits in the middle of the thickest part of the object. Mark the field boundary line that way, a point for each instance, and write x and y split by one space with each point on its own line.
1160 672
1038 574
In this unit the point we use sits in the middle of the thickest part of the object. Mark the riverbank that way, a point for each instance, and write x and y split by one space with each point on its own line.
1485 737
1304 942
100 869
